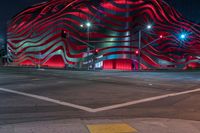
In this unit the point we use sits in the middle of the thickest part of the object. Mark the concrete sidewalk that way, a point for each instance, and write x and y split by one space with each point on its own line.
139 125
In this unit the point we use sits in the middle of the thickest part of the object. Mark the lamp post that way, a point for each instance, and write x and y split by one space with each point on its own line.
88 25
65 34
139 47
182 38
39 65
149 27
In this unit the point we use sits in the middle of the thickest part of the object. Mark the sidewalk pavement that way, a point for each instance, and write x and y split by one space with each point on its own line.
138 125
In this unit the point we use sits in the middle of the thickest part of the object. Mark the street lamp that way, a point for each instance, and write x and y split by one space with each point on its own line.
81 25
39 65
149 27
88 25
182 38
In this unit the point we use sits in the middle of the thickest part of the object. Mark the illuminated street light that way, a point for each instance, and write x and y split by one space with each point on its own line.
149 26
88 24
183 36
81 26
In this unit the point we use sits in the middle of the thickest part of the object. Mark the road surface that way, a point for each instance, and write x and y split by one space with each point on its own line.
31 95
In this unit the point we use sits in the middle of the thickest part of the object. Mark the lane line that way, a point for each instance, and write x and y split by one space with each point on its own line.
48 99
145 100
150 99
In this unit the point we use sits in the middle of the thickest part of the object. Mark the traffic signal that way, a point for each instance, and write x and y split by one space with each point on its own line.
161 36
64 34
96 52
137 52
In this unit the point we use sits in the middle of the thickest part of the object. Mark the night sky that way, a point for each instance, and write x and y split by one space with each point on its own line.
8 8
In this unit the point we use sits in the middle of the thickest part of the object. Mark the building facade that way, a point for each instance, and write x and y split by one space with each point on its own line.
114 34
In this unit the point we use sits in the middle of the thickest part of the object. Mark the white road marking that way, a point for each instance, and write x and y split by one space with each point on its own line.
48 99
145 100
102 108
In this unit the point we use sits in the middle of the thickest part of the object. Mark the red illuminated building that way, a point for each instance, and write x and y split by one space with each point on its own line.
114 34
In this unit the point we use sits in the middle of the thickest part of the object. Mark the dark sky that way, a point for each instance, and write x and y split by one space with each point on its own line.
9 8
189 8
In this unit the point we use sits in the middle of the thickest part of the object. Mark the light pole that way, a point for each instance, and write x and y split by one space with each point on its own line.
66 34
88 24
39 66
182 38
149 27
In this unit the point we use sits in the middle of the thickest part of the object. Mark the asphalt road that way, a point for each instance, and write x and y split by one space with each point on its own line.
96 90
